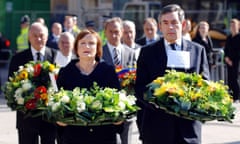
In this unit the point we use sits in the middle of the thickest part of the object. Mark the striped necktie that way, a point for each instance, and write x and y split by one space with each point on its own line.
116 59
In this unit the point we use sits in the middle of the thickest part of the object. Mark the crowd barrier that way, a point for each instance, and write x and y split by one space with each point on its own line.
218 69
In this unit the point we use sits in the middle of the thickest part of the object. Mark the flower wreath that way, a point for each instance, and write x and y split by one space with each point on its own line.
191 97
27 90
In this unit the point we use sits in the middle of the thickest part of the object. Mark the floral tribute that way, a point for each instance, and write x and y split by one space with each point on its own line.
27 90
127 78
97 106
191 97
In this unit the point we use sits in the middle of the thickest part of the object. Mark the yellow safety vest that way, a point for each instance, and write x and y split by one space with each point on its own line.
22 40
103 37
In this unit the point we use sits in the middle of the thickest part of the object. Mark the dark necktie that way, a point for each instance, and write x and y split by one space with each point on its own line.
38 56
173 46
116 59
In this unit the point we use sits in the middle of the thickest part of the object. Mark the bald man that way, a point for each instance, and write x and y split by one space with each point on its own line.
53 39
30 129
65 53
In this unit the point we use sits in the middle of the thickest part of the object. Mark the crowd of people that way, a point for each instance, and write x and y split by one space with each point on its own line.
86 57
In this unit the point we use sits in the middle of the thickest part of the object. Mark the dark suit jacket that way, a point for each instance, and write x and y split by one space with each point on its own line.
143 41
157 126
22 58
52 42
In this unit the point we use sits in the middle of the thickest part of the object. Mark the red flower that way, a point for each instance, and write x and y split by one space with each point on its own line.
31 104
56 76
39 90
37 70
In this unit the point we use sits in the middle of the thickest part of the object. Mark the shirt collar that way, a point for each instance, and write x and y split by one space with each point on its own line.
178 42
111 47
34 51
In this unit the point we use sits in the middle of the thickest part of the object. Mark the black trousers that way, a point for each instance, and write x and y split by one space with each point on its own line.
34 128
233 80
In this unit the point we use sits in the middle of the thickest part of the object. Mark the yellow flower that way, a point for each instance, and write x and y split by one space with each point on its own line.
51 67
195 96
180 92
199 83
23 74
159 80
160 91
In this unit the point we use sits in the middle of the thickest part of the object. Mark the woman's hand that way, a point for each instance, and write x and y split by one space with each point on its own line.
118 123
61 123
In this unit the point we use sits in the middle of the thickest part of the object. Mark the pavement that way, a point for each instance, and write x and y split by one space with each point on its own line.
213 132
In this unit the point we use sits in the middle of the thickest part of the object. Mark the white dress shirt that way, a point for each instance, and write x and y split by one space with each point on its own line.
34 53
62 60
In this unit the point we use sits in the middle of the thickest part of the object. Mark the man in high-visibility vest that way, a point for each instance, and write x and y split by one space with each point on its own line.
22 39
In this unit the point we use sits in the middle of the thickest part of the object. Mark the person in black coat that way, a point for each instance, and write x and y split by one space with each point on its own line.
88 68
150 29
29 129
157 126
232 57
53 39
202 37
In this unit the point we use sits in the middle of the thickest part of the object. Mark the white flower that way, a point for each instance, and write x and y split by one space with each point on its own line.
18 92
26 86
20 100
122 105
81 106
96 105
20 68
122 96
65 99
131 100
30 69
55 106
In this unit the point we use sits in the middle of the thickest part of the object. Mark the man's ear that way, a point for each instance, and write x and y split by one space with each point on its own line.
184 24
159 26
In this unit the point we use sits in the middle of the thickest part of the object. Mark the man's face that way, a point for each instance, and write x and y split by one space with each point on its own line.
114 33
150 29
57 29
171 27
66 45
128 35
38 35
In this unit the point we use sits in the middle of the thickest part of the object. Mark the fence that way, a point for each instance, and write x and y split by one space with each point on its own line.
218 70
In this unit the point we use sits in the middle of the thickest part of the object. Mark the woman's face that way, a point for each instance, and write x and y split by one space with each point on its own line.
203 29
87 47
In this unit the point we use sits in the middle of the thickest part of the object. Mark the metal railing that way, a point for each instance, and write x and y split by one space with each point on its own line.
218 69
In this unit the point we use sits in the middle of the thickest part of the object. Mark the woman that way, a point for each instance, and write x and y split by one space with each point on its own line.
203 38
82 73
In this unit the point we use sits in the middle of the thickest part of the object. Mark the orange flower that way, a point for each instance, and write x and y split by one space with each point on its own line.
44 96
38 91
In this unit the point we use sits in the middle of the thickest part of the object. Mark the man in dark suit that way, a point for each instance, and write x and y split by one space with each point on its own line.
29 129
113 31
53 39
158 127
150 29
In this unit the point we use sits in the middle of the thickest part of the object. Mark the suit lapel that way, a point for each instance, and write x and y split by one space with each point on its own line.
185 45
49 55
107 55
